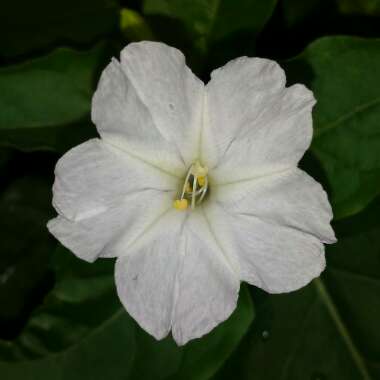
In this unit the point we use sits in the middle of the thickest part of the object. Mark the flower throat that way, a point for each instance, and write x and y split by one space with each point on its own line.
194 188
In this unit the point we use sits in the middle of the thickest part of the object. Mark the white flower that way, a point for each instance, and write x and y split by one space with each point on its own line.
194 188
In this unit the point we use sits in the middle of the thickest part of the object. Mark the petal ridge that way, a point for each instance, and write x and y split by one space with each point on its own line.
177 107
289 198
255 121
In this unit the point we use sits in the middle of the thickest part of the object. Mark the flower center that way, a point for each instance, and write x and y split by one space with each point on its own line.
194 188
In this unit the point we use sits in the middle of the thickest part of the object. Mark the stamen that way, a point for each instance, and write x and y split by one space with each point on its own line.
194 188
204 190
180 204
201 180
193 193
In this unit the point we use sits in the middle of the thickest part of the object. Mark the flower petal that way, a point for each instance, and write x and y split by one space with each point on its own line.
95 176
290 198
255 124
105 197
178 278
145 278
109 234
208 285
151 104
273 257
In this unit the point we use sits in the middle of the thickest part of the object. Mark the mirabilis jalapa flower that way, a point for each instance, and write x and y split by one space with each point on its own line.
194 188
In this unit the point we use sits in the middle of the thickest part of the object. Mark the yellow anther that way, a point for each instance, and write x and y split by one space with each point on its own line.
201 180
180 204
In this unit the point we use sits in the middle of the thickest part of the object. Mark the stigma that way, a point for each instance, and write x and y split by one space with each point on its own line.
194 188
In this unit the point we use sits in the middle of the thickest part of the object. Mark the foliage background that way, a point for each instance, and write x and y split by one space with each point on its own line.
59 317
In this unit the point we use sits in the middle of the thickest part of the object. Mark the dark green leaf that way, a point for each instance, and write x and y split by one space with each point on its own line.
27 26
213 20
203 357
45 103
222 28
344 74
364 7
82 332
5 155
134 27
298 11
329 329
25 246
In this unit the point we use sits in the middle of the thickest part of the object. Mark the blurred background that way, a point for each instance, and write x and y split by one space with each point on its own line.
60 317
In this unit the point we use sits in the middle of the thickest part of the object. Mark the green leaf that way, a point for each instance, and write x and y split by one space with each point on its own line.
82 332
134 27
364 7
45 103
213 20
27 26
298 11
344 74
327 330
208 24
25 246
